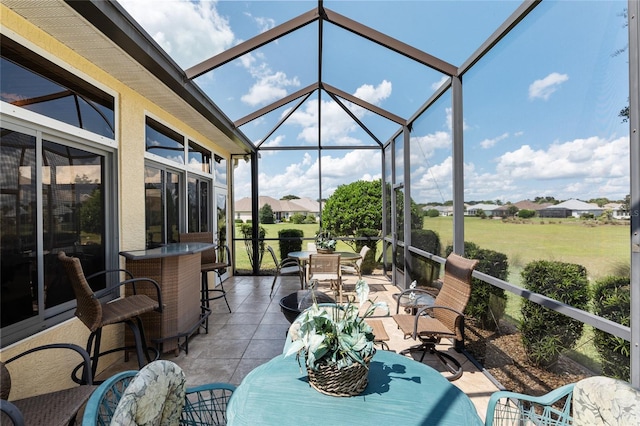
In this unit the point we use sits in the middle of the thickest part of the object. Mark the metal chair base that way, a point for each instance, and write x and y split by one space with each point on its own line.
450 363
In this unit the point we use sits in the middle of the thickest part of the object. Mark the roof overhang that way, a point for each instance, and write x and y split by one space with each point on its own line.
105 34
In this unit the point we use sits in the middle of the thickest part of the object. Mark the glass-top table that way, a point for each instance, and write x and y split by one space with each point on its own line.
413 300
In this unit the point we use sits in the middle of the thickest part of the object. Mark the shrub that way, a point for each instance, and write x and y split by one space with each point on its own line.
425 271
265 214
369 262
310 219
432 213
487 302
246 230
297 218
526 214
612 300
290 240
546 333
239 221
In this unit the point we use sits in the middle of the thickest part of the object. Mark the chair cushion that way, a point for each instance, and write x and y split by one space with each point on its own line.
45 409
154 397
605 401
127 307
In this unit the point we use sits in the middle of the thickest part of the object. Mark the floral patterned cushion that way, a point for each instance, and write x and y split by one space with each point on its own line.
154 397
605 401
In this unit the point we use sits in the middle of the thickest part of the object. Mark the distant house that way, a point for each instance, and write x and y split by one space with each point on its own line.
282 209
571 208
442 210
488 209
503 211
618 210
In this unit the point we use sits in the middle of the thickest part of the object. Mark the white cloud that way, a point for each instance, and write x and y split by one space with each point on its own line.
488 143
189 32
300 178
591 157
435 86
337 125
545 87
268 87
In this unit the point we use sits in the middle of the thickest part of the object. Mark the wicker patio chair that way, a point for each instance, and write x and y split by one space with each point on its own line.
95 314
209 262
325 268
53 408
288 266
199 405
443 319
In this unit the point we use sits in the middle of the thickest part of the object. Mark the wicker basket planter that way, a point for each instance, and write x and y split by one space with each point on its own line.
334 381
325 250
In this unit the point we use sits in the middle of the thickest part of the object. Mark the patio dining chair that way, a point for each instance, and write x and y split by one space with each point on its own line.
593 401
51 408
120 398
354 268
95 314
445 318
288 266
325 268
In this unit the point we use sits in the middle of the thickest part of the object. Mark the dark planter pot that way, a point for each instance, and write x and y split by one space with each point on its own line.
293 304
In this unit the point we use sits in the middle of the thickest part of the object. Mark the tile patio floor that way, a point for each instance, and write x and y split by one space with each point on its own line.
255 332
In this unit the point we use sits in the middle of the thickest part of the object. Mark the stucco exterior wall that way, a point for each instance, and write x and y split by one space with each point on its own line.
35 375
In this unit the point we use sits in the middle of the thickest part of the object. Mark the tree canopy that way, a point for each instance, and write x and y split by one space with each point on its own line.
353 206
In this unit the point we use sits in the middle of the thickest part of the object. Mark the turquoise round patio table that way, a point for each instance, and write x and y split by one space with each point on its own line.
400 391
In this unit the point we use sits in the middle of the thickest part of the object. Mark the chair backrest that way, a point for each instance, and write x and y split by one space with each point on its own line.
88 307
602 400
155 396
206 256
273 256
455 291
324 264
104 400
363 252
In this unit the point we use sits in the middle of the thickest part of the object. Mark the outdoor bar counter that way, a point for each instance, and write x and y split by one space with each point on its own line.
176 268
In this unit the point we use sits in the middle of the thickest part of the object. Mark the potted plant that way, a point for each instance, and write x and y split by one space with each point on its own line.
325 243
336 343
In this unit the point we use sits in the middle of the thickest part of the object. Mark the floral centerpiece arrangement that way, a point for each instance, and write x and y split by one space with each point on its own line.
324 241
336 343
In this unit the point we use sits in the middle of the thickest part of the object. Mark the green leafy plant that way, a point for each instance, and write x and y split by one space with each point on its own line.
546 333
612 300
325 241
335 334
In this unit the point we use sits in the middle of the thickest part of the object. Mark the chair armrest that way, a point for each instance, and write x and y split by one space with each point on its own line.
105 398
14 414
108 271
133 281
86 360
546 400
422 310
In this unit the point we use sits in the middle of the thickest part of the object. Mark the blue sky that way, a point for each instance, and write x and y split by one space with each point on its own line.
540 112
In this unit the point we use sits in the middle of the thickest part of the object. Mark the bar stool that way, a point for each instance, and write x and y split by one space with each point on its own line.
209 263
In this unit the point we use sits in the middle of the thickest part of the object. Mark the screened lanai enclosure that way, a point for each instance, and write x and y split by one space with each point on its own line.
453 106
467 113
